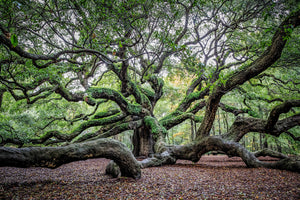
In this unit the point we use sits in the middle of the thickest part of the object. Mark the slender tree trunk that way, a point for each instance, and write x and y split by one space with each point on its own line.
253 143
225 122
173 140
265 143
1 98
213 130
219 122
210 114
192 130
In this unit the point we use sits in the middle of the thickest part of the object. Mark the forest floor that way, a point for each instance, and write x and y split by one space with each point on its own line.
213 177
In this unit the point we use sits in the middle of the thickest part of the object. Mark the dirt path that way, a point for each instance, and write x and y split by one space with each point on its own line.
213 177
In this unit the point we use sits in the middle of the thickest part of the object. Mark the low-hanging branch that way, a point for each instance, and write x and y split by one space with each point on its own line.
124 104
53 157
194 151
282 108
192 97
117 129
233 110
243 125
67 137
176 118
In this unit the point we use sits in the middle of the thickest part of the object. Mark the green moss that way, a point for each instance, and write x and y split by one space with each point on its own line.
90 100
147 92
105 114
124 126
117 67
101 92
150 122
147 76
253 114
227 107
154 127
107 93
96 122
160 82
191 97
134 109
169 117
140 97
198 119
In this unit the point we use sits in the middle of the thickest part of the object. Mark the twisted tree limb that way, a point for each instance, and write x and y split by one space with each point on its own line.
53 157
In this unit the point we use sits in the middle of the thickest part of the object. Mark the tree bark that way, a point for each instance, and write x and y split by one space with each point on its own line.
52 157
143 143
243 125
269 152
195 150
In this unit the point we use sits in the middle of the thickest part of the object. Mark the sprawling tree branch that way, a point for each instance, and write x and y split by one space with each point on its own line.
242 126
282 108
269 57
53 157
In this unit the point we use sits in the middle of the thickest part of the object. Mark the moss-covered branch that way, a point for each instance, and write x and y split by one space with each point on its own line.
52 157
124 104
195 150
67 137
117 129
242 126
156 84
177 117
140 97
237 111
198 106
190 98
282 108
129 87
269 57
271 153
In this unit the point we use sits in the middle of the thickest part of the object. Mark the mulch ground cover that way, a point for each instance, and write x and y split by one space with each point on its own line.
213 177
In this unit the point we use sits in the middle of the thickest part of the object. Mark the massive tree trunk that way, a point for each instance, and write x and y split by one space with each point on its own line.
143 143
52 157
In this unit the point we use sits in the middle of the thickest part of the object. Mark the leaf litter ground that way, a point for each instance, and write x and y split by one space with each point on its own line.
213 177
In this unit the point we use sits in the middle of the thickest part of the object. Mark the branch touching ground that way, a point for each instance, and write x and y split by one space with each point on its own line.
269 152
52 157
195 150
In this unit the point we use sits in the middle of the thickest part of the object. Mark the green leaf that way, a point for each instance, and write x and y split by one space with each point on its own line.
120 44
14 40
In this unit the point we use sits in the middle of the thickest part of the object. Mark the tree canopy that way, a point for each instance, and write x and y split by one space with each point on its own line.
76 72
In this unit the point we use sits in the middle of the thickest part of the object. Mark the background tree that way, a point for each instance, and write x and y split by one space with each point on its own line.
79 71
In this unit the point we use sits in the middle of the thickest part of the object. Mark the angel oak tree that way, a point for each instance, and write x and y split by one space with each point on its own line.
75 73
